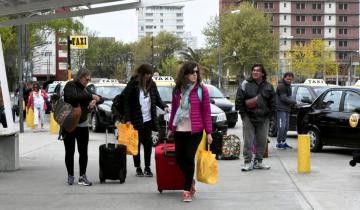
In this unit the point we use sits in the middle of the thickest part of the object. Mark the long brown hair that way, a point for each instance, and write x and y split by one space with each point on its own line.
186 69
141 71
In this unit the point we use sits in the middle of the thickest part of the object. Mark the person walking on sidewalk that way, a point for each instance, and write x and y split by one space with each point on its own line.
190 115
284 101
36 101
75 93
255 101
141 97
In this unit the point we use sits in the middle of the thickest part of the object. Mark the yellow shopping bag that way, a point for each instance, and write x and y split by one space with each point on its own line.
30 118
206 167
202 145
128 136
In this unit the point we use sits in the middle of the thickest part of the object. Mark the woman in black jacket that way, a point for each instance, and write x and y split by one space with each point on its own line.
141 97
76 94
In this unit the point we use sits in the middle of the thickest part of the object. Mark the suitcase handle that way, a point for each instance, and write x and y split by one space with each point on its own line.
106 139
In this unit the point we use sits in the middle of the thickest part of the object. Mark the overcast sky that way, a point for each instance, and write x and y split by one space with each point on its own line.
123 24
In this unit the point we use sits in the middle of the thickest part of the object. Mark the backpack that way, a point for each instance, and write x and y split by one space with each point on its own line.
66 115
117 107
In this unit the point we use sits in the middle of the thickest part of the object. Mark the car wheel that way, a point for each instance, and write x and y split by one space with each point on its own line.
95 127
231 124
315 142
272 129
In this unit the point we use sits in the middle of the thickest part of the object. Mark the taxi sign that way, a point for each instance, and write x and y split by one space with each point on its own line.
109 81
79 42
315 82
163 78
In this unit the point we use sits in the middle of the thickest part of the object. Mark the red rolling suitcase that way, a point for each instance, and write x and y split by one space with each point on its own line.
168 173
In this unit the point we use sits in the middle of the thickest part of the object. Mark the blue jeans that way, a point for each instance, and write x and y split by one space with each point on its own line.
282 122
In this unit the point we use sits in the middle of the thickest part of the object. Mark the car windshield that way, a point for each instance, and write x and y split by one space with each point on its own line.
319 90
165 93
214 92
109 92
51 88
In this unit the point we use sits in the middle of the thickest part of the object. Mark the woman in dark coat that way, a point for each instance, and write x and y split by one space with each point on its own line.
141 97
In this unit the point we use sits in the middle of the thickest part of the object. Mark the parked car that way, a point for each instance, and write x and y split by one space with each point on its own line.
102 116
332 119
217 98
165 86
305 94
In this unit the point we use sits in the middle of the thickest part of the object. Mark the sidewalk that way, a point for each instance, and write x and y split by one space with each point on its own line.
41 182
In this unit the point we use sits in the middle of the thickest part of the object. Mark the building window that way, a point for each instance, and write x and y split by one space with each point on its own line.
343 6
272 17
255 5
343 55
329 17
284 5
300 30
161 14
330 30
179 27
149 14
284 30
329 5
300 43
149 27
329 43
142 28
284 42
268 5
316 6
179 14
342 43
161 27
316 30
161 20
316 18
300 18
342 18
343 31
284 17
300 5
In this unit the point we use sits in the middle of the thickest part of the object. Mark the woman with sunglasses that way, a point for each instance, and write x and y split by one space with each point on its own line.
190 115
36 101
141 97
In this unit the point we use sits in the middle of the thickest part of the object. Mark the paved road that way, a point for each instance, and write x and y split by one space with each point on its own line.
40 182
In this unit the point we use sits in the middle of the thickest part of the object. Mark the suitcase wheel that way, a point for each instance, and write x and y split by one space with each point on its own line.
160 190
352 163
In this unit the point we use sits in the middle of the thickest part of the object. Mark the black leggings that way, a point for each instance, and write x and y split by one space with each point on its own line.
186 144
144 139
81 134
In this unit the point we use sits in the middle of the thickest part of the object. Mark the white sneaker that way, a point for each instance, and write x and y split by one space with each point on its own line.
261 166
247 167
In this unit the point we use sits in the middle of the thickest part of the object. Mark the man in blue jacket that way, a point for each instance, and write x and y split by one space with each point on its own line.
284 101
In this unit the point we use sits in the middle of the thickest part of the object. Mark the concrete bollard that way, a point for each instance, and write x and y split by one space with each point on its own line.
304 153
53 124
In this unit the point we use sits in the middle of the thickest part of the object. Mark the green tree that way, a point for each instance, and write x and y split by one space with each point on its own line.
313 58
244 38
107 58
169 66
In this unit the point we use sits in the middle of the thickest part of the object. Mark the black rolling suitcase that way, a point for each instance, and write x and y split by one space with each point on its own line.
112 161
356 158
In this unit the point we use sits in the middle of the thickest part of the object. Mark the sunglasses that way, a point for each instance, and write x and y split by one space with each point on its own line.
194 71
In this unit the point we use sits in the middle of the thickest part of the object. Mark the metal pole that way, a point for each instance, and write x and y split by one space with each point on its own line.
219 52
152 51
20 74
69 58
349 70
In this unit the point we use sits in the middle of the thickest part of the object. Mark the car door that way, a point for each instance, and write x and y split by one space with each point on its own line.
350 136
328 117
300 94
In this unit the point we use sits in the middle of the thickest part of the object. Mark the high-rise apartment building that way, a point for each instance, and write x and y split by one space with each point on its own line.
298 22
153 20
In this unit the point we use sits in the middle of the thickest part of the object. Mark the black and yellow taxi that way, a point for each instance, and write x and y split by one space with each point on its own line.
304 94
332 119
102 117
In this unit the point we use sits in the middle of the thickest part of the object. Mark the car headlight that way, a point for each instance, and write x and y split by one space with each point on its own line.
221 117
105 108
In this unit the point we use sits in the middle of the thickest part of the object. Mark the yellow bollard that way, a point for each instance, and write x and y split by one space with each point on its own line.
53 124
304 153
202 145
